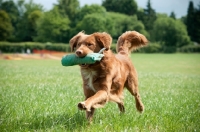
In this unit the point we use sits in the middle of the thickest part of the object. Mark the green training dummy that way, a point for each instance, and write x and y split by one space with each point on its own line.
72 59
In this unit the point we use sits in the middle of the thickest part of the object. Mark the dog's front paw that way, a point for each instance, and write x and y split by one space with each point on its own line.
82 106
140 107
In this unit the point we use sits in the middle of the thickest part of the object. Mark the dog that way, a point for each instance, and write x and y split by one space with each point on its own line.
105 80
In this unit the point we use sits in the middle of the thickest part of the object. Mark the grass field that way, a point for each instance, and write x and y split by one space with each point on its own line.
42 95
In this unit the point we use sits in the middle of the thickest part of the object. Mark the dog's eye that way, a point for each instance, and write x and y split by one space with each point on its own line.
78 45
89 45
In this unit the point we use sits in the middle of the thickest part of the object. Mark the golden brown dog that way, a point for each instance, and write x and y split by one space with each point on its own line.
105 80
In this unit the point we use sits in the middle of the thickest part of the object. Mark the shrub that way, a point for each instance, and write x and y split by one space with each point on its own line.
169 49
151 48
7 47
58 47
113 48
190 49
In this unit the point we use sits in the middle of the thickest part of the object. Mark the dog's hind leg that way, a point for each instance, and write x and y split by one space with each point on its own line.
121 107
119 100
132 86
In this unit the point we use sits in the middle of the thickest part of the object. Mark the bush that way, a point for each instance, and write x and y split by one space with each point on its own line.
190 49
113 48
58 47
169 49
7 47
151 48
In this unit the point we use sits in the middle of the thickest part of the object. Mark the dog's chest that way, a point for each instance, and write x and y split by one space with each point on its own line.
88 77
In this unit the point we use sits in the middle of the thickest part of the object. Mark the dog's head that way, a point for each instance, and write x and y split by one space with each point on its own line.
84 44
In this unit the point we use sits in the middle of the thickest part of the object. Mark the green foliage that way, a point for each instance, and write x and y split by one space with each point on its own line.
169 49
5 26
193 22
58 47
28 20
30 23
33 18
97 22
7 47
190 21
190 49
123 23
52 27
128 7
170 32
151 48
173 15
12 9
147 16
113 48
90 9
83 12
68 8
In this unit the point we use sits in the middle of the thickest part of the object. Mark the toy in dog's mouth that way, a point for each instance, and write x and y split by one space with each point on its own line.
83 65
84 62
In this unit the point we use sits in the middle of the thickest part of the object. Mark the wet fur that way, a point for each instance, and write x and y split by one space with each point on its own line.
105 80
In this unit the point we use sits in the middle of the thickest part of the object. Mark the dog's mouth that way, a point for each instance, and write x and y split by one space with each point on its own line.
84 65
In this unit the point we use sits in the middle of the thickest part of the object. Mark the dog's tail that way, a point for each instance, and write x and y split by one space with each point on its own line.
129 41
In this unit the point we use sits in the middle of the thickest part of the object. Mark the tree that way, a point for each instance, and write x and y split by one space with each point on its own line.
173 15
193 22
52 27
5 26
148 17
123 23
128 7
90 9
33 18
26 27
83 12
11 8
197 25
13 12
170 33
95 23
68 8
190 20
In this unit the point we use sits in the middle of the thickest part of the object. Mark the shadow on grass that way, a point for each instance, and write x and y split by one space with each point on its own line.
56 122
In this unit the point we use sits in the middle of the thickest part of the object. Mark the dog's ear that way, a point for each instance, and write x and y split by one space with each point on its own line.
73 41
104 39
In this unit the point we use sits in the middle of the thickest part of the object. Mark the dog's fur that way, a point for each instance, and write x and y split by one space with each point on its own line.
105 80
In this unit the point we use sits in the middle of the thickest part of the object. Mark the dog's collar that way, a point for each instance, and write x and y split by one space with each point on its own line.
101 51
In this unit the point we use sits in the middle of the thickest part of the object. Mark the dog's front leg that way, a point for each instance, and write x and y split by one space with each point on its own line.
100 97
89 114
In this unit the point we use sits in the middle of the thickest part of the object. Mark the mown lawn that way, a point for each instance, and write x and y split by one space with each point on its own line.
42 95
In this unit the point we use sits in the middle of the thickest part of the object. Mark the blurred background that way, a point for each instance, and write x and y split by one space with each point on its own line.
32 25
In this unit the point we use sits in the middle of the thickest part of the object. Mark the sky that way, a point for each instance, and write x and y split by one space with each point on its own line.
179 7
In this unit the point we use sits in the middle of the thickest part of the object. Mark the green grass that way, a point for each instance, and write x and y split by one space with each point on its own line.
42 95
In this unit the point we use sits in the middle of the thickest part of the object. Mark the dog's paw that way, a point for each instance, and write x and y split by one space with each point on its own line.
140 107
82 106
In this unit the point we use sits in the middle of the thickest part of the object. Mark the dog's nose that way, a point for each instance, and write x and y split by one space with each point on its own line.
79 53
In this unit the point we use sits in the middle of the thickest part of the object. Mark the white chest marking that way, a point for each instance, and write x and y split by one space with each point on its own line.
89 76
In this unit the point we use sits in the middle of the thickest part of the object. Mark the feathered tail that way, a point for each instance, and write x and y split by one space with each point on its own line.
129 41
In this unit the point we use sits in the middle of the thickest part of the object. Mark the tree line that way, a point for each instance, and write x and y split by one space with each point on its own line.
23 21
